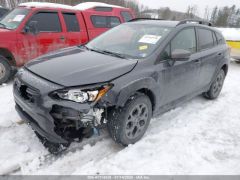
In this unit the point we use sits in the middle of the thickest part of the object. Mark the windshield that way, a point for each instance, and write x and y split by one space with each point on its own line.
130 40
13 19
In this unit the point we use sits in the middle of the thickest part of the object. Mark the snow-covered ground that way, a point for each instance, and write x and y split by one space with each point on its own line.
199 137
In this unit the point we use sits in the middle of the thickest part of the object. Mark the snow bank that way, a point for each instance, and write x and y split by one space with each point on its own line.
46 5
88 5
231 34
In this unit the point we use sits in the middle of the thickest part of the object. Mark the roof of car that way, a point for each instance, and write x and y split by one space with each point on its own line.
156 22
81 6
168 23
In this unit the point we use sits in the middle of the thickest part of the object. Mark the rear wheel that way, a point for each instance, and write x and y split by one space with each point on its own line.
216 86
127 125
5 70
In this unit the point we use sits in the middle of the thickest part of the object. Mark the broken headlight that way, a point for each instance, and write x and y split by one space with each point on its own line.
83 96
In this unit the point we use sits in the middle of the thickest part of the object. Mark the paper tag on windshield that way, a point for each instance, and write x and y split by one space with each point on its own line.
150 39
18 18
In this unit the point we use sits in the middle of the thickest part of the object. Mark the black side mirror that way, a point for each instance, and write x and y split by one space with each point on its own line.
180 55
31 28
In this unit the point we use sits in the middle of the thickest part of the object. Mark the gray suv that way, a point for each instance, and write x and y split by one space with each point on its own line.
120 80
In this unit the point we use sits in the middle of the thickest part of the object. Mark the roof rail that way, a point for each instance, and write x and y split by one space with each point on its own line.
195 21
142 19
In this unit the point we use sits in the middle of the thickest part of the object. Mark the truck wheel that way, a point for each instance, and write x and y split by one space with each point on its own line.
5 70
216 86
127 125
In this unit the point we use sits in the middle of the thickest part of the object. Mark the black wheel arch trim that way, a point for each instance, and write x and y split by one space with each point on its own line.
144 85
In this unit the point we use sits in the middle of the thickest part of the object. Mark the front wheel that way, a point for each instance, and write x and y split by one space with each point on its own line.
5 70
128 124
216 86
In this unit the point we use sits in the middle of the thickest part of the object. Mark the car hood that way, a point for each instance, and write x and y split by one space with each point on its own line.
2 30
76 66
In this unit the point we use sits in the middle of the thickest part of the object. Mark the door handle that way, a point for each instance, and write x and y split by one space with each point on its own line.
62 38
197 61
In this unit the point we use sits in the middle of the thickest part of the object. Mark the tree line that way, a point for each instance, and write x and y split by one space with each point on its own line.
219 16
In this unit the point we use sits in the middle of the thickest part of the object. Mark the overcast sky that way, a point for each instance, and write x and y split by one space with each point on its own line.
181 5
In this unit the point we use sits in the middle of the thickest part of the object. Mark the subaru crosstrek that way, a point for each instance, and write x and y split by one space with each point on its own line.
120 80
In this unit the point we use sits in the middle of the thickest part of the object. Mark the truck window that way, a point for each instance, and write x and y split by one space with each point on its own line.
43 19
126 16
71 22
105 21
114 21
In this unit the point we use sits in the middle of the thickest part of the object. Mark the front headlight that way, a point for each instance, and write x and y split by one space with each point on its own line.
83 96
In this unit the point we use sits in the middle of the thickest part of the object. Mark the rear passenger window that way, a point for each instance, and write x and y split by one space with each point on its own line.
105 21
71 22
126 16
205 39
43 19
220 39
186 40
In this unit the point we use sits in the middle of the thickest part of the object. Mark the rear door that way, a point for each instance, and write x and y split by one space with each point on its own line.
50 34
179 78
211 55
75 29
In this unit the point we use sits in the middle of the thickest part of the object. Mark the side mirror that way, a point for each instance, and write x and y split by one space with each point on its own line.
31 28
180 55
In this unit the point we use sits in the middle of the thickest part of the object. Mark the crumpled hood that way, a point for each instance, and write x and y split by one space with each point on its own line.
75 66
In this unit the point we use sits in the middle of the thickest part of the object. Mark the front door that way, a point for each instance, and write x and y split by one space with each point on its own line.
50 35
179 78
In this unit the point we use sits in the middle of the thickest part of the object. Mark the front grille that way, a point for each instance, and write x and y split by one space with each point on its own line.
28 93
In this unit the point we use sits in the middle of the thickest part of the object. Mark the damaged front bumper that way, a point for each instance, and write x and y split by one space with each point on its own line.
58 121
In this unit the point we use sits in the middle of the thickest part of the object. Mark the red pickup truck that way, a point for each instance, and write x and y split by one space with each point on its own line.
33 29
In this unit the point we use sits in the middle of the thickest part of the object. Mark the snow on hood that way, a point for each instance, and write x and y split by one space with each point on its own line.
88 5
44 5
231 34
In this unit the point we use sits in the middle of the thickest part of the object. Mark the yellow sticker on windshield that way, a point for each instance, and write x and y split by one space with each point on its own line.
143 47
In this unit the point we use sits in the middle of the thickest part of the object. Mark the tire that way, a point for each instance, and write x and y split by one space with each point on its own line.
128 124
216 86
5 70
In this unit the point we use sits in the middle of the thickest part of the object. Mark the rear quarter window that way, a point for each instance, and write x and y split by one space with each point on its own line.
220 38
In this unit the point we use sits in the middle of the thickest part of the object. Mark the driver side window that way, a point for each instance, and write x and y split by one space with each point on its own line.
185 40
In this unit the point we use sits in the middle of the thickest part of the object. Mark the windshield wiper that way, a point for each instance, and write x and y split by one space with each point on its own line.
3 25
114 54
122 56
